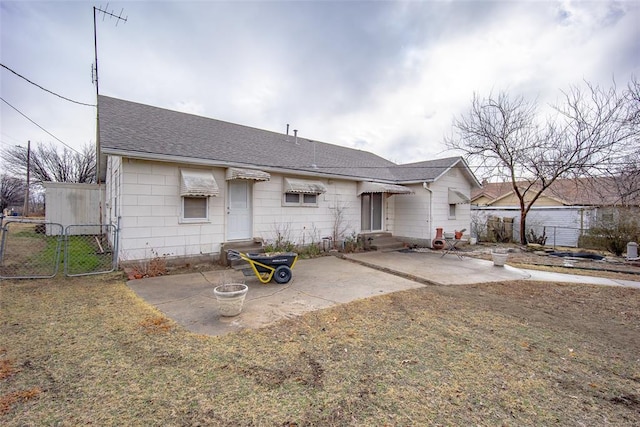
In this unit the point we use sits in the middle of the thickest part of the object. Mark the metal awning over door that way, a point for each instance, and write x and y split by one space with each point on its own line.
251 174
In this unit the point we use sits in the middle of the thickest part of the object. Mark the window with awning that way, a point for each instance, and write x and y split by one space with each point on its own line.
198 183
251 174
379 187
456 197
303 186
302 192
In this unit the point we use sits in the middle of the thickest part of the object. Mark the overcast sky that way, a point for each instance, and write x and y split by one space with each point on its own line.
386 77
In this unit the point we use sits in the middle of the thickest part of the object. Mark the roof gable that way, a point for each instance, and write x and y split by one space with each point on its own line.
432 170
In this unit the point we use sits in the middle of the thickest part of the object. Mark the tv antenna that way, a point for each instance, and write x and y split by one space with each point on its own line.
101 163
105 13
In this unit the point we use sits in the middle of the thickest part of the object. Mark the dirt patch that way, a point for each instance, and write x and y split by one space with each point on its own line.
610 266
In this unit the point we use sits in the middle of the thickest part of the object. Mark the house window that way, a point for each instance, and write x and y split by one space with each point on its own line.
452 211
195 208
300 199
291 198
310 199
301 192
196 186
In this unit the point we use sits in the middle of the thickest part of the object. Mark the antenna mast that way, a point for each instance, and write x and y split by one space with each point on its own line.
105 13
101 165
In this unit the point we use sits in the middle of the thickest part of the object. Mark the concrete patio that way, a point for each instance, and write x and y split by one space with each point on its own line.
324 282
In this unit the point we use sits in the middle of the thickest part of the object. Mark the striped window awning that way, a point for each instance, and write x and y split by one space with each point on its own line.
304 186
252 174
456 197
198 183
379 187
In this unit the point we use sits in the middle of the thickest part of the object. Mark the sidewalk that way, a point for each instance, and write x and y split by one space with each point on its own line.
450 270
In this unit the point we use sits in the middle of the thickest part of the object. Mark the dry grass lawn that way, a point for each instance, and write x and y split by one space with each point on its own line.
88 351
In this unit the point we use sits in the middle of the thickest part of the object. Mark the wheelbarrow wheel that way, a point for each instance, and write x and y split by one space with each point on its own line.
282 274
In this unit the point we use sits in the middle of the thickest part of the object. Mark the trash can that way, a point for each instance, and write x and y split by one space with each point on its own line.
632 250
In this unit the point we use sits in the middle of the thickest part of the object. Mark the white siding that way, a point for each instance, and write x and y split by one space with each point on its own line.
412 214
149 205
113 188
440 209
145 196
389 222
304 224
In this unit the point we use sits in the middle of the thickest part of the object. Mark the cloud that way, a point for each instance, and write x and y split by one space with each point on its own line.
386 77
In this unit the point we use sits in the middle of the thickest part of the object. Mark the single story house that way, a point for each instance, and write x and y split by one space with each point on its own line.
565 210
181 185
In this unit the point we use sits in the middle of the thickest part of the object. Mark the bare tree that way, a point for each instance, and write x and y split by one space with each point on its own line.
48 164
591 129
12 191
625 170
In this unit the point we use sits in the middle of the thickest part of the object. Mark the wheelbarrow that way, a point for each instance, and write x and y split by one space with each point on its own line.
276 266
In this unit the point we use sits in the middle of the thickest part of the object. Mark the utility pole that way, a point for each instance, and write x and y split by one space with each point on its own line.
25 208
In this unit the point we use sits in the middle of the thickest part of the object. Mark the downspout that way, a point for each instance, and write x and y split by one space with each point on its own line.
425 185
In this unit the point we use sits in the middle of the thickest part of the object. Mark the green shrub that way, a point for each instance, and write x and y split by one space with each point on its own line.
280 246
312 250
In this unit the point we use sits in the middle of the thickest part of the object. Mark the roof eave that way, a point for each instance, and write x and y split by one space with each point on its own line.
226 164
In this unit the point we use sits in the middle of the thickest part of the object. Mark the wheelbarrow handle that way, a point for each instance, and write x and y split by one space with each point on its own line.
233 255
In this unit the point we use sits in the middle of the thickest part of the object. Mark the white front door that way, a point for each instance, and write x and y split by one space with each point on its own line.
239 210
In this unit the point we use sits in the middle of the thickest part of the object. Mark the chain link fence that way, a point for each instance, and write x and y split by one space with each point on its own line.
33 249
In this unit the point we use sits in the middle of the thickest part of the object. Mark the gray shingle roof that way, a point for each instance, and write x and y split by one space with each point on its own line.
139 130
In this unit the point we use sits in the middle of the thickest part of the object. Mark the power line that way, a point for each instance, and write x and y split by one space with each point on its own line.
52 135
45 89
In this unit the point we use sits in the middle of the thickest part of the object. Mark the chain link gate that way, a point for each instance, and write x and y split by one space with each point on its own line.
32 249
89 249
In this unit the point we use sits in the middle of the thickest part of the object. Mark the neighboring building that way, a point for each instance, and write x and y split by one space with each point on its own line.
183 185
71 204
565 210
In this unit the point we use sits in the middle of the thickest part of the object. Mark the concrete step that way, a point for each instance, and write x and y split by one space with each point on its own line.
254 245
385 242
